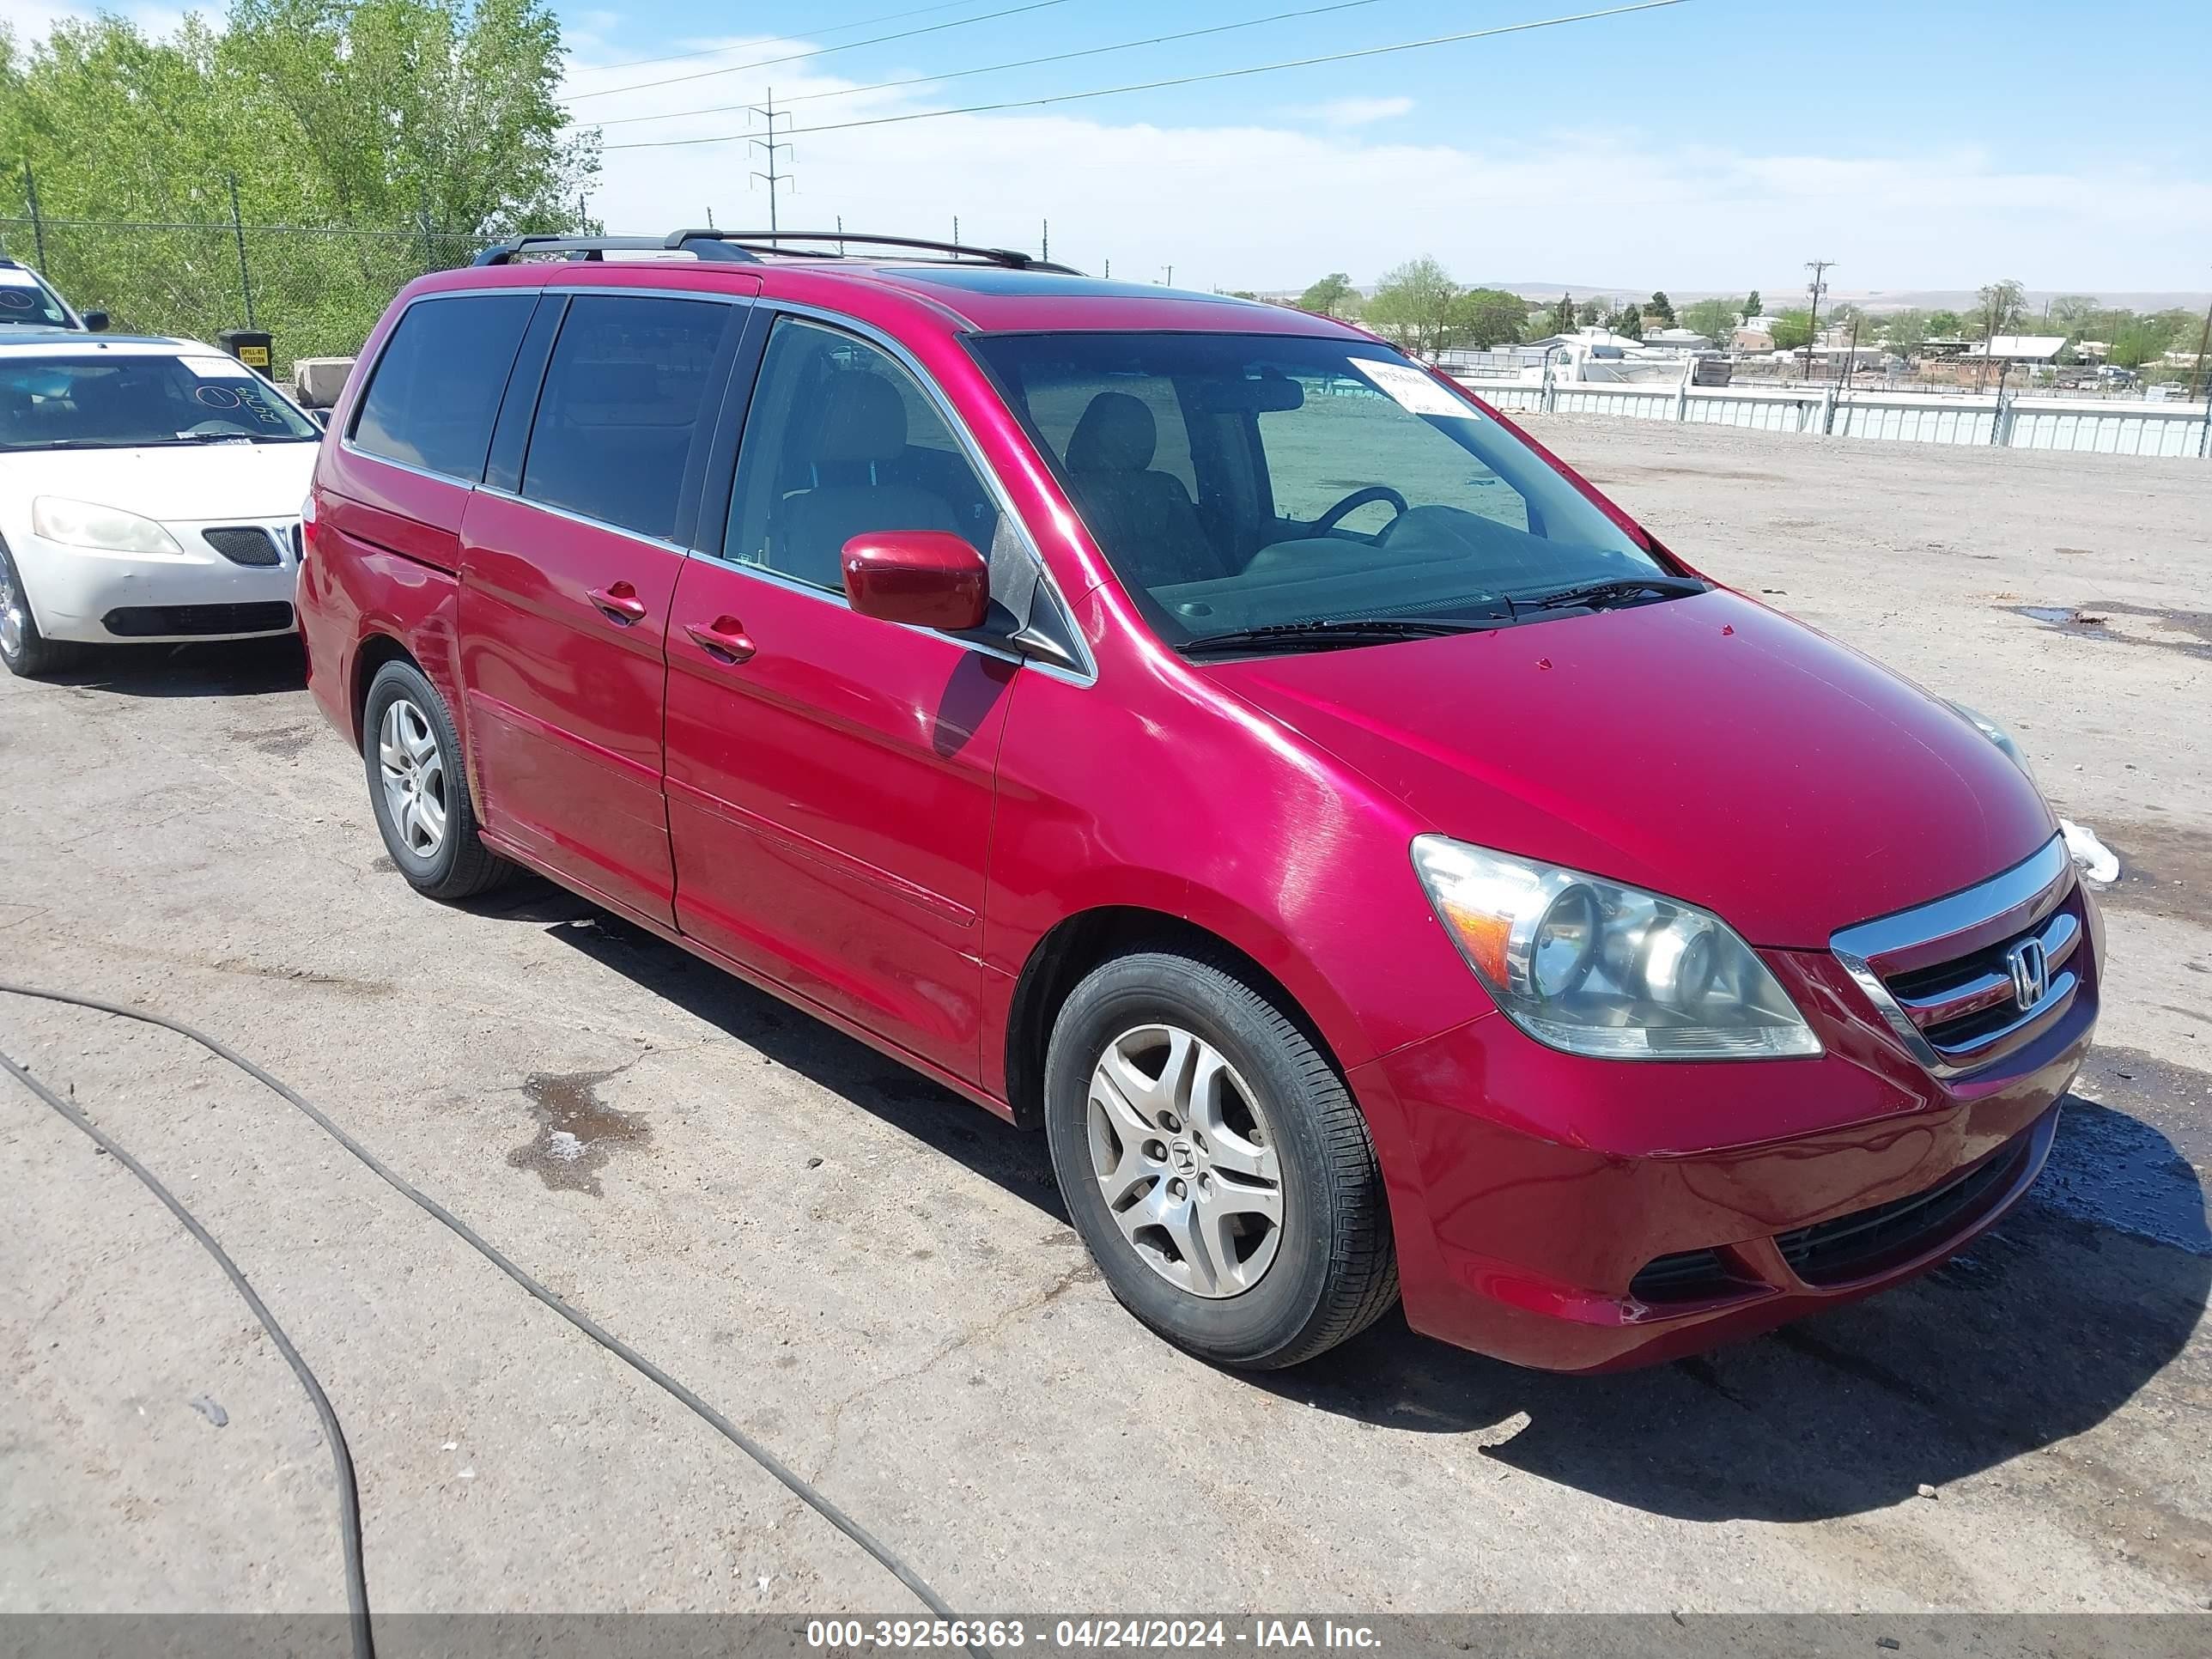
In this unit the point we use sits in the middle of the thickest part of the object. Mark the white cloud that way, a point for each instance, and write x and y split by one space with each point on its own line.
1360 112
33 20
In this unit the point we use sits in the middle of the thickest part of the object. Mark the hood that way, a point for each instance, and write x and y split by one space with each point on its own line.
1708 749
177 484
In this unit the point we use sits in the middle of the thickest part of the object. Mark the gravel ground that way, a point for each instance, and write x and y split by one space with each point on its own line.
878 1281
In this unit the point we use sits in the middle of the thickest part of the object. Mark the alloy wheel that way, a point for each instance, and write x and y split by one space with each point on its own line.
1186 1160
12 613
413 769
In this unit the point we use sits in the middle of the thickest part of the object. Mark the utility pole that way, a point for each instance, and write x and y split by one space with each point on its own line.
1044 244
768 112
1816 288
1171 276
956 229
2204 345
38 220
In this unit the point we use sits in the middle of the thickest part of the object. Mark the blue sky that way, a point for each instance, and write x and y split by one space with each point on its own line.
1711 144
1715 144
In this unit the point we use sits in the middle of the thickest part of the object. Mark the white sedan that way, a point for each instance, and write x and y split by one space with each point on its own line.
149 491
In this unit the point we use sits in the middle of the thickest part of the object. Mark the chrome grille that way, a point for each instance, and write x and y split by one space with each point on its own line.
1966 980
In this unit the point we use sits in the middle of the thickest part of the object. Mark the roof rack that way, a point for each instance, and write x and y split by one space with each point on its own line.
766 241
703 244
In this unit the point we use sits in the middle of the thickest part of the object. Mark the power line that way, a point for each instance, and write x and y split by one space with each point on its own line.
1018 63
716 52
817 52
1175 81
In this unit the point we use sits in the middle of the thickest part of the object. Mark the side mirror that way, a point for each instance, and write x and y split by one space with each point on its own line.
95 322
929 577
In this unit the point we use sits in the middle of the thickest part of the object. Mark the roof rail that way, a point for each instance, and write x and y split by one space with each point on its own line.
767 241
703 244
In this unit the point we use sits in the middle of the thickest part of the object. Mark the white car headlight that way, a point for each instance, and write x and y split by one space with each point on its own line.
1596 968
82 524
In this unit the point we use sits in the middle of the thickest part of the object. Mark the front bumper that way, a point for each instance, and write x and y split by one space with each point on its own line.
1576 1214
104 598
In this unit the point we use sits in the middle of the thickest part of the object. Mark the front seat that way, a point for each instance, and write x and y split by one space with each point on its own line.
1145 518
861 434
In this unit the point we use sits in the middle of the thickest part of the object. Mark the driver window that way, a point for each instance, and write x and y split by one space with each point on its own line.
841 441
1312 451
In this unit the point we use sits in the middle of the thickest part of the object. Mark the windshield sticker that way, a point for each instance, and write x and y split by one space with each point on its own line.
1409 388
16 299
216 369
217 397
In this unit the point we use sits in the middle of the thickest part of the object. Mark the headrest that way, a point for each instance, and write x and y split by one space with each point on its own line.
863 419
1116 435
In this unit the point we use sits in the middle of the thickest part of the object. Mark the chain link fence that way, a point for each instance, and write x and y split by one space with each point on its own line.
318 292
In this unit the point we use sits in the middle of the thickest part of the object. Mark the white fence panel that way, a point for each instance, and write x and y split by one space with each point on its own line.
2109 426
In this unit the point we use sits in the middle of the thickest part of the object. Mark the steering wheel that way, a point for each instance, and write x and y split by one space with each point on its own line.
1351 503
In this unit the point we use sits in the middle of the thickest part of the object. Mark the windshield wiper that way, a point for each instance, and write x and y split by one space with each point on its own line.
1338 630
1619 587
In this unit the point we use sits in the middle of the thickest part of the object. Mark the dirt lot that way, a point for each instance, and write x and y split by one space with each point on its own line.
877 1280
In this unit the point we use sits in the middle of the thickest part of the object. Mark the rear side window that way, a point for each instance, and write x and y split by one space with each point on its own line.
437 386
631 382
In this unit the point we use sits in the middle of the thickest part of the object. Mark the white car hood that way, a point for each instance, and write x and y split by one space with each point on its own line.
178 484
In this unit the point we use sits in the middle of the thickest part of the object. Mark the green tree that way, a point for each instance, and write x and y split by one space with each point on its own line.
1562 315
1414 305
1590 313
1485 316
1331 296
1751 306
1714 318
1944 325
1998 307
2073 313
1793 330
1627 321
435 124
1902 332
1661 307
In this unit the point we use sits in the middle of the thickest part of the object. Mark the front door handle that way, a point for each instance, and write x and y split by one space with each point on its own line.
724 639
619 603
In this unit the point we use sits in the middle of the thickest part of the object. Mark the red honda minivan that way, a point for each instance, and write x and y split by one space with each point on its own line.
1379 865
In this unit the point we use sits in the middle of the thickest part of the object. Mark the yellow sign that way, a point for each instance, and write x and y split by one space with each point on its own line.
253 356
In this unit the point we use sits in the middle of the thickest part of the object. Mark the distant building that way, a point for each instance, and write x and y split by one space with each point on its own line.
2020 349
1677 339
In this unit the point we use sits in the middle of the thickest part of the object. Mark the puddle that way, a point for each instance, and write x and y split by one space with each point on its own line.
2188 632
577 1131
2117 1172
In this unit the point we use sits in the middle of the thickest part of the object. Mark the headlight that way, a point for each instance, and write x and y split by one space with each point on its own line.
80 524
1997 735
1595 967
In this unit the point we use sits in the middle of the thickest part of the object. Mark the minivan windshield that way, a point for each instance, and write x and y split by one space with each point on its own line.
120 401
1288 486
27 302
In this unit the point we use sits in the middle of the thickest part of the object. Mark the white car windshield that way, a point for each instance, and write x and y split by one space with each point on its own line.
121 401
1283 486
26 302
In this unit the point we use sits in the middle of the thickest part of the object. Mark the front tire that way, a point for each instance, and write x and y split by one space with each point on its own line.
418 785
25 651
1215 1164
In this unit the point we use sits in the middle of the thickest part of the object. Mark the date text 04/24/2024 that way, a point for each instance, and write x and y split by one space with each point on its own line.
1086 1634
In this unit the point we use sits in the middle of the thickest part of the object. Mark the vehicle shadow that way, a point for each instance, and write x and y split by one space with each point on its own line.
933 1115
2048 1326
220 668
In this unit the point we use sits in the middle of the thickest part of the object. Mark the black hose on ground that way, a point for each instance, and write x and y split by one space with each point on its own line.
800 1487
356 1571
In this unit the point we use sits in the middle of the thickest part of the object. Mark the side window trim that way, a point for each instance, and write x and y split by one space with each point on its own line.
719 499
346 439
561 302
518 406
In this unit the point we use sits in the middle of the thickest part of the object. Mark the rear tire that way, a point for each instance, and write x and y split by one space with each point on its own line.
418 786
1215 1164
25 651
